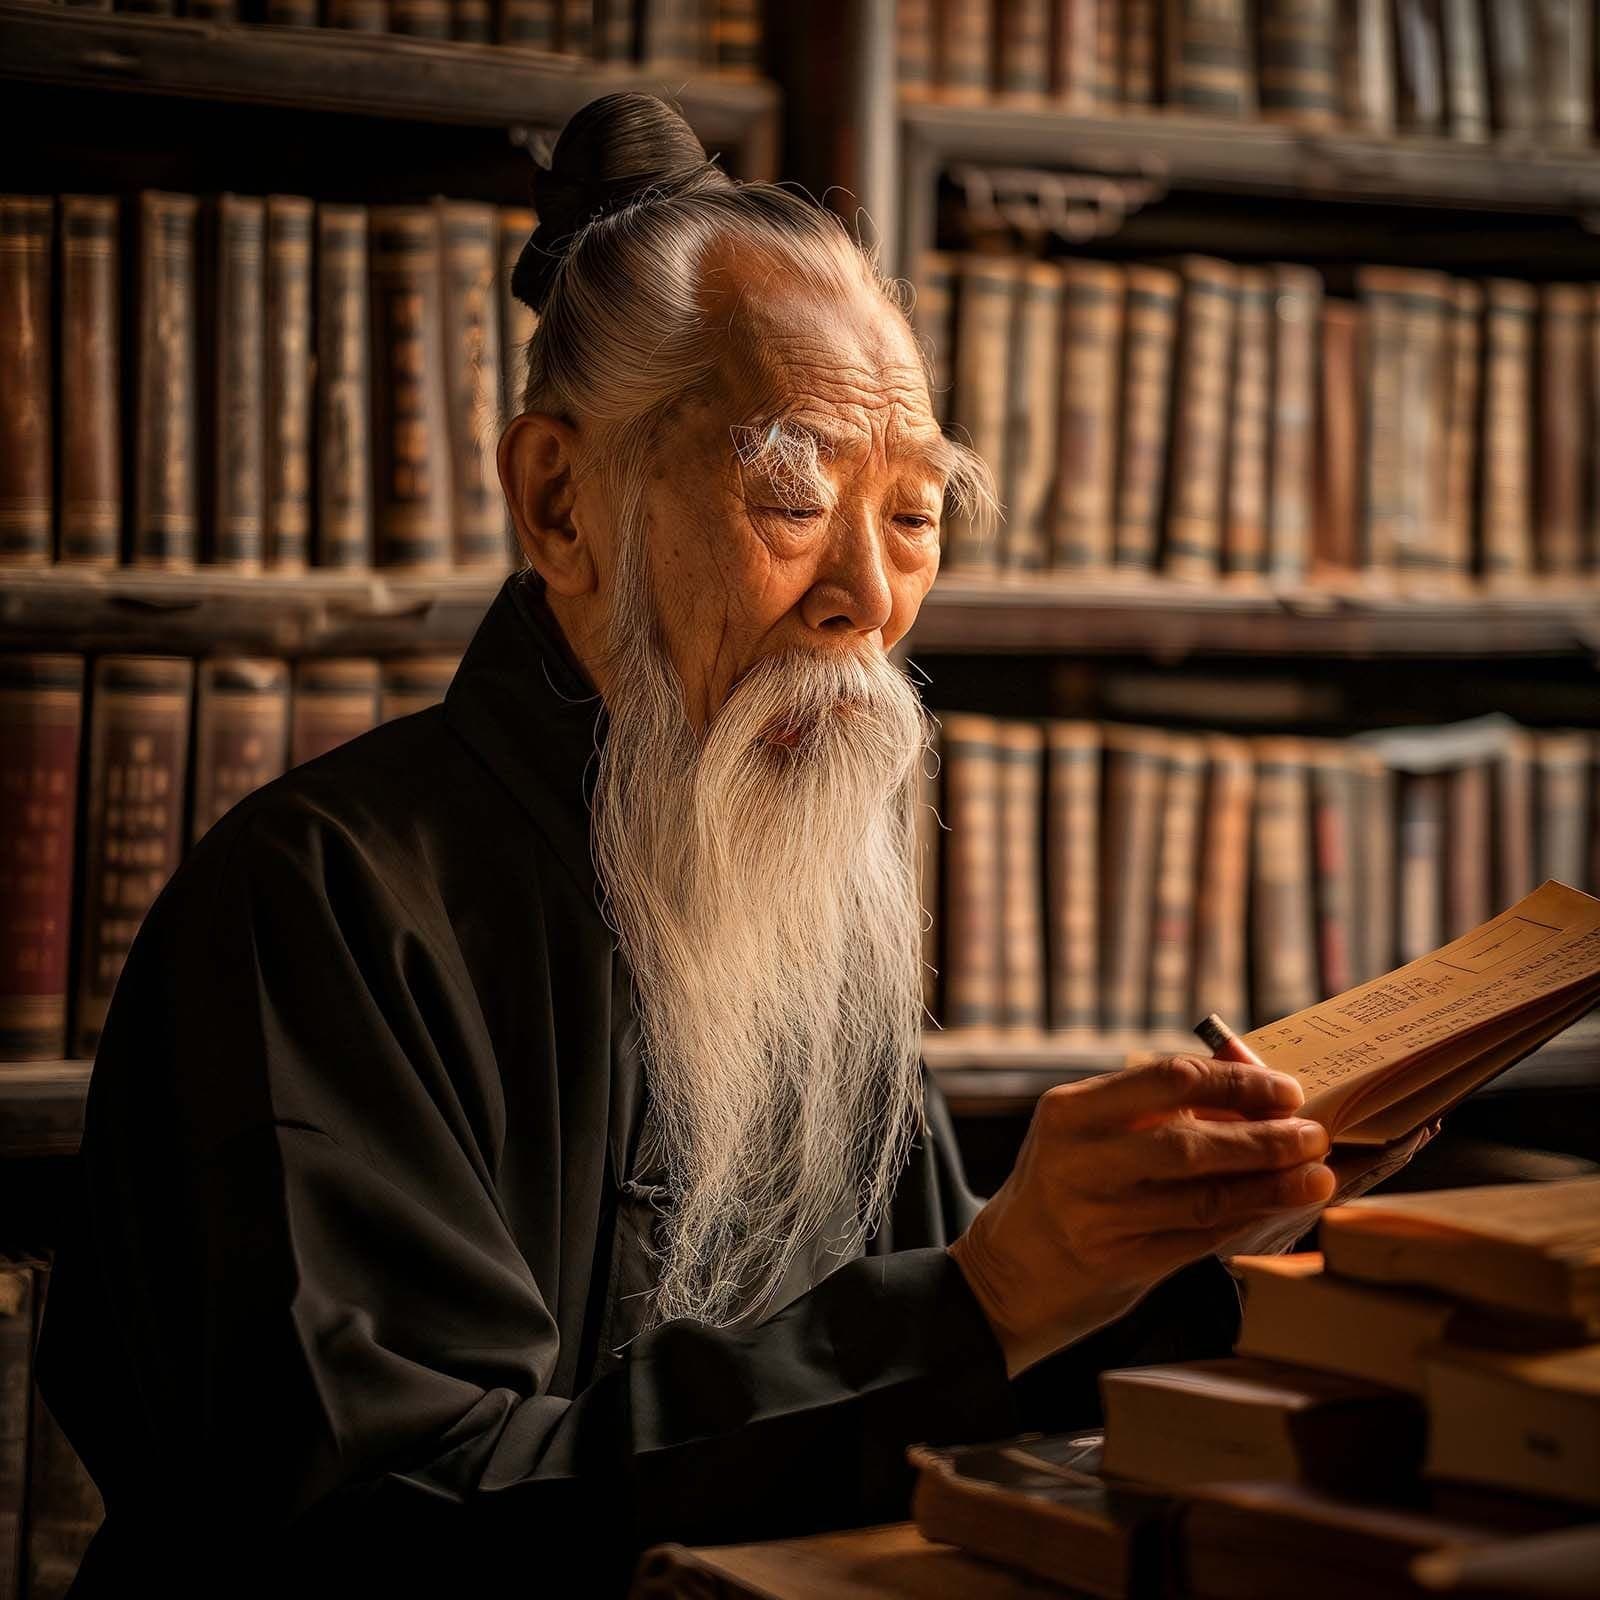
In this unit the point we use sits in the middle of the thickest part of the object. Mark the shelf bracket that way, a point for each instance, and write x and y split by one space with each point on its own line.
1074 206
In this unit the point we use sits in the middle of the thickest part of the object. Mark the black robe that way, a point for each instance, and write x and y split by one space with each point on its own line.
357 1291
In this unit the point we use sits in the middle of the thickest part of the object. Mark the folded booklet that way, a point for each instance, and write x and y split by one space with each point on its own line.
1382 1059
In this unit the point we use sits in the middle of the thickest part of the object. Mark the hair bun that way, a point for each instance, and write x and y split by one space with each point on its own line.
610 152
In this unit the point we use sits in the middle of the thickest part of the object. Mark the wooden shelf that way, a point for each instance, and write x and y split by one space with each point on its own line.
360 613
965 613
991 1074
381 75
981 1074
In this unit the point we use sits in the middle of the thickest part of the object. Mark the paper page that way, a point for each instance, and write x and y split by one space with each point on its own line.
1548 942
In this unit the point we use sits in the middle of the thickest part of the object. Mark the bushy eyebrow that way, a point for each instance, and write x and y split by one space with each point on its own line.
792 453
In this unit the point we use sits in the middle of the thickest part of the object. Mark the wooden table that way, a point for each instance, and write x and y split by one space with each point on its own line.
891 1562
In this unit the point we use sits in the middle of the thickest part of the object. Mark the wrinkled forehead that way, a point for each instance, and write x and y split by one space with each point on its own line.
839 361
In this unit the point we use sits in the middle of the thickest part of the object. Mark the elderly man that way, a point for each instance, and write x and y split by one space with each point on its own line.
509 1143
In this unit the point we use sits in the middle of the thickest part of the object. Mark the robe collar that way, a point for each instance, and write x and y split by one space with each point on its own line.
533 719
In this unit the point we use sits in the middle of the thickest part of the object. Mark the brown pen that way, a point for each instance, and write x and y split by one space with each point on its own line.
1224 1044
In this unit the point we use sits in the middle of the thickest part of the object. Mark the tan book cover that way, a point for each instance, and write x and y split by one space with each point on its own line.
1282 923
1564 434
289 369
1529 1248
1221 972
1020 747
1506 474
1296 307
1299 62
963 50
932 317
1034 387
1136 765
1468 882
1336 548
1387 1056
984 309
238 383
1072 864
27 278
1088 412
1461 447
972 888
1022 50
241 733
1147 362
1244 528
1170 1003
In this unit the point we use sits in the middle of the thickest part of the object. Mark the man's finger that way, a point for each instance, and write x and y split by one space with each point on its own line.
1186 1147
1146 1092
1219 1205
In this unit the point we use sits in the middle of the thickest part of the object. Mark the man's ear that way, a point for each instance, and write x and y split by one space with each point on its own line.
537 458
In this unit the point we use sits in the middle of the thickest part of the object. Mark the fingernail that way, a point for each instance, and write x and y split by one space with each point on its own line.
1316 1183
1313 1138
1285 1087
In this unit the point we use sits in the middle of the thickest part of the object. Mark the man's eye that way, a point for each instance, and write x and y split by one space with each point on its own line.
915 521
795 513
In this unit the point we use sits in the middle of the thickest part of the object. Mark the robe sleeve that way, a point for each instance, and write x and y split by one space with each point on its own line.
345 1360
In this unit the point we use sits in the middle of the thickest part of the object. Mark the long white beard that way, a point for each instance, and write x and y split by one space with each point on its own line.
765 895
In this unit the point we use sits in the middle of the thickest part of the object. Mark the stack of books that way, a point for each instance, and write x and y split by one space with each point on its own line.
1516 70
1429 1382
1202 419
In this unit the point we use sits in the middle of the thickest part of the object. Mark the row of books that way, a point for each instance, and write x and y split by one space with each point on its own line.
1122 880
108 774
1429 1380
724 34
49 1506
259 384
1519 70
1207 418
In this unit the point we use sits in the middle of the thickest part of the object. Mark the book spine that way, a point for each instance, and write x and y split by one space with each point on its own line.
202 10
241 734
1107 53
1421 924
973 903
1135 778
1244 526
575 20
359 16
1419 63
913 31
335 699
41 717
1460 500
1139 64
930 833
166 494
1564 33
1084 504
410 443
1208 57
1513 88
1022 54
1375 881
239 381
1468 891
343 390
617 33
1296 317
1332 848
1299 62
64 1507
91 379
530 23
736 37
1366 46
288 390
1152 336
1427 305
1466 81
421 19
1560 428
26 449
963 49
472 21
133 822
1221 977
1507 478
408 684
933 319
1561 766
1283 938
1385 484
16 1390
1515 858
1339 433
517 321
1176 885
1200 420
1019 748
472 342
1032 430
1072 860
984 311
1074 43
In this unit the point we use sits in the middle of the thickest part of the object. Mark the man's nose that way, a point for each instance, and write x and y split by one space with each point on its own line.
851 591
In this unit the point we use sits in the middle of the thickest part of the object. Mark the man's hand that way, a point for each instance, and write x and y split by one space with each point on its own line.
1123 1179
